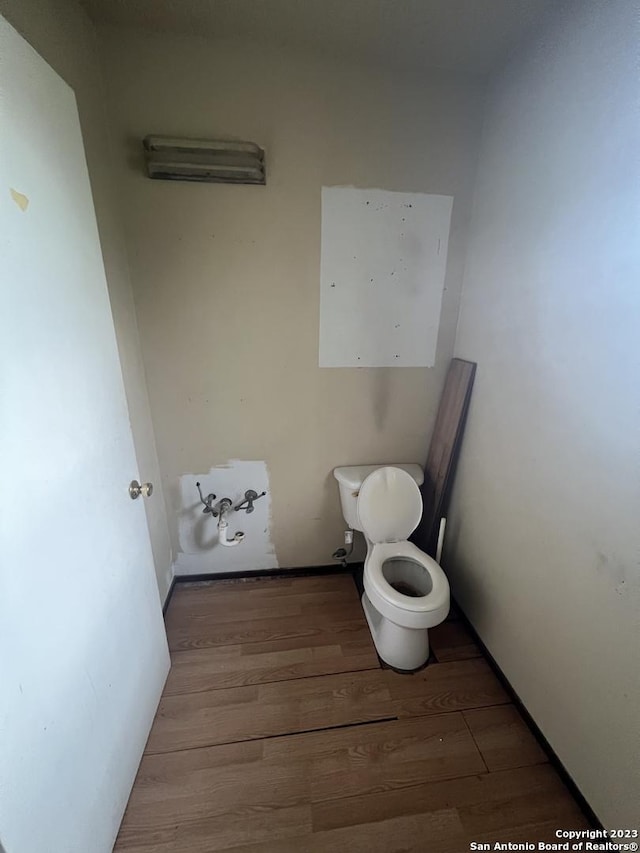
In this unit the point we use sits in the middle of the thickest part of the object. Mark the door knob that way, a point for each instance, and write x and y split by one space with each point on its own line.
135 489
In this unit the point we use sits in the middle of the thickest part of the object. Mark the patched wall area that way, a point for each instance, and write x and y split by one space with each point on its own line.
382 272
199 547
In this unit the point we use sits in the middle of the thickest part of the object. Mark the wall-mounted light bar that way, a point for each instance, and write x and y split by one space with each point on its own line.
211 161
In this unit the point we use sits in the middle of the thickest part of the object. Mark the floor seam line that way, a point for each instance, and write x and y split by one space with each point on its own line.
281 734
276 681
253 642
475 743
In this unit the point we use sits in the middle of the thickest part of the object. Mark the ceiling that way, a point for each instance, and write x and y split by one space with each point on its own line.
468 36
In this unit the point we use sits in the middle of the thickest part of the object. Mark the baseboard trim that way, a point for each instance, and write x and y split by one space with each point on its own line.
562 771
293 572
167 600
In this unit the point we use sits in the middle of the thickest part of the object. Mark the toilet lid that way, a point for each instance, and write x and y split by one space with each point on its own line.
389 505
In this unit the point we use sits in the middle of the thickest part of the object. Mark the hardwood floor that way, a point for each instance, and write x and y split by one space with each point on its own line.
279 732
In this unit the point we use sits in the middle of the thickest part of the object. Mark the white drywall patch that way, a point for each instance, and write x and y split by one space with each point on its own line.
200 550
383 264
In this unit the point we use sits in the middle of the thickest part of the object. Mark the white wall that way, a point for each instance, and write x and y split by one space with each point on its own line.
544 533
227 277
63 35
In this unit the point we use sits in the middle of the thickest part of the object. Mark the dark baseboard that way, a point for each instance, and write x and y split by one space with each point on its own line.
533 727
167 600
296 572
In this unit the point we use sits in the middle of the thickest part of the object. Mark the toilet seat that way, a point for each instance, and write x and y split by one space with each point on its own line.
407 550
389 509
421 612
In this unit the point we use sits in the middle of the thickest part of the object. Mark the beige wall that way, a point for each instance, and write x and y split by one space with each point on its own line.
543 540
62 34
227 277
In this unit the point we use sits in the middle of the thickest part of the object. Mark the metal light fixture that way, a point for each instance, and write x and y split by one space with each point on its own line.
212 161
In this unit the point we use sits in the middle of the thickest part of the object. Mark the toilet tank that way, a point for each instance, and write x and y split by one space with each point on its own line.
351 477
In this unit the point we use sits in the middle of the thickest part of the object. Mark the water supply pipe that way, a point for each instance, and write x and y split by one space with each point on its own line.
443 524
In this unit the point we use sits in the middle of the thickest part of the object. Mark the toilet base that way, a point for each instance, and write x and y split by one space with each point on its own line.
402 648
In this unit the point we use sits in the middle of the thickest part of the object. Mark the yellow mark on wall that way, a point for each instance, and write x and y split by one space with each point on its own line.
20 199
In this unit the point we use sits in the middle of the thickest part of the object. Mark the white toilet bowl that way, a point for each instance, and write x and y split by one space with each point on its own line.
405 591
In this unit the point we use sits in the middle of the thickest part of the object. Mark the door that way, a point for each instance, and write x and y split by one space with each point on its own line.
83 653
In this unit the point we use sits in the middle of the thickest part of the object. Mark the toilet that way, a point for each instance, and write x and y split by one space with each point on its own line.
405 591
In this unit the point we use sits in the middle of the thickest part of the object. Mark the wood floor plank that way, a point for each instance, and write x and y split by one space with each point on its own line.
232 611
266 586
440 832
352 761
485 806
206 632
246 825
271 593
278 732
185 721
394 755
182 793
203 617
546 800
442 687
401 835
503 738
278 660
451 641
492 791
205 794
246 607
354 636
